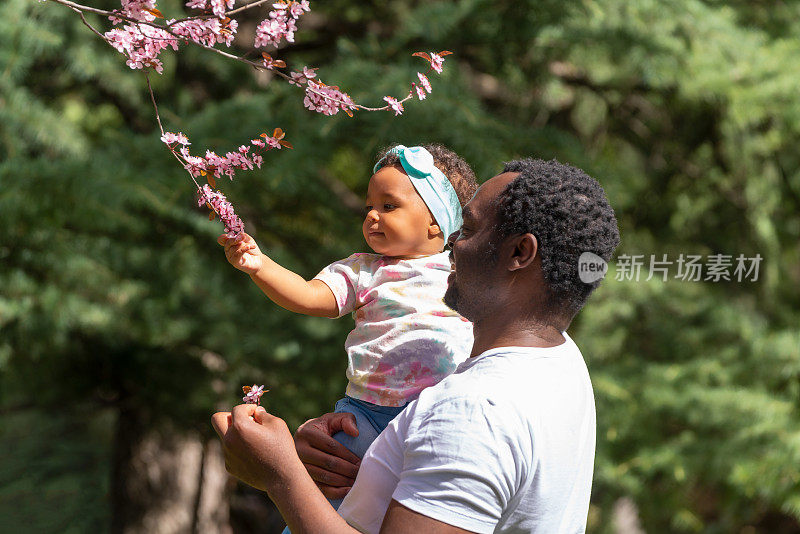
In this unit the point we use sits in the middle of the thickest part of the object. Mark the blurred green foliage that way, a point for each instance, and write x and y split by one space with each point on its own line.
115 296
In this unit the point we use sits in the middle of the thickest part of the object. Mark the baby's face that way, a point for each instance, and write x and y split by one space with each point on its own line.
397 221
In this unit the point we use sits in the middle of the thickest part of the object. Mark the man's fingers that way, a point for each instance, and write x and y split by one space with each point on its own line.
242 414
328 478
347 424
328 462
327 444
221 421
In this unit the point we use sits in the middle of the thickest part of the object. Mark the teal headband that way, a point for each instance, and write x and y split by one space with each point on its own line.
432 185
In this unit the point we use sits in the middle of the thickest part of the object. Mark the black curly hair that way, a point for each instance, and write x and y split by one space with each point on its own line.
458 171
569 214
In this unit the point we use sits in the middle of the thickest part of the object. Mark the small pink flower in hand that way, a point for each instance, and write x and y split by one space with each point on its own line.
252 394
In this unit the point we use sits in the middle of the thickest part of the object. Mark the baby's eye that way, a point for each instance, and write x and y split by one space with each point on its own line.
367 209
389 207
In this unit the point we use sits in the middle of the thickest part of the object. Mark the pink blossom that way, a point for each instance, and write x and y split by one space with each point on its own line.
258 142
233 224
207 31
420 91
141 44
436 62
252 394
170 138
297 79
297 8
327 99
424 81
277 27
394 104
138 10
197 4
218 7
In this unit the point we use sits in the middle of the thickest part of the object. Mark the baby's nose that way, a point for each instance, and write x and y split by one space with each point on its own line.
372 215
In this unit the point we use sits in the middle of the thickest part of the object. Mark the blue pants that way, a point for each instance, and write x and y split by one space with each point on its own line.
371 419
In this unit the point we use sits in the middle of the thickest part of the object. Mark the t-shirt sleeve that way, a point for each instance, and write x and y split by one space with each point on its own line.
461 464
342 278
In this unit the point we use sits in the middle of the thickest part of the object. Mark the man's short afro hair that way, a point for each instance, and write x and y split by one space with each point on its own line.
569 214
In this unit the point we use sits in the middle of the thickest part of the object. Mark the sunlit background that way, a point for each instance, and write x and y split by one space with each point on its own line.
122 326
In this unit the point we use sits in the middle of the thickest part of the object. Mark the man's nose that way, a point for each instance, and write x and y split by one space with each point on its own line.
452 238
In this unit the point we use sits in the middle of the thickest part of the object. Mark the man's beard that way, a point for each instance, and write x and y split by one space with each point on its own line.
451 297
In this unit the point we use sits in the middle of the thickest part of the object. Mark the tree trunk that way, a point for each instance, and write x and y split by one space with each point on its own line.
166 481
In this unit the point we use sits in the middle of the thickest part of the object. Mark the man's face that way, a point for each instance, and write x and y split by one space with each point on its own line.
469 287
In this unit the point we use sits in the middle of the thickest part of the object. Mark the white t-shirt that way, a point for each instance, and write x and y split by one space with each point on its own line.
405 338
505 444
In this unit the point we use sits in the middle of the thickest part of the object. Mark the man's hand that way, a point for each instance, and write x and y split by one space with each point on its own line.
332 466
243 253
258 446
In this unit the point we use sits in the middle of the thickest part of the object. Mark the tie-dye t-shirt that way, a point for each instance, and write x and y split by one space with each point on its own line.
405 338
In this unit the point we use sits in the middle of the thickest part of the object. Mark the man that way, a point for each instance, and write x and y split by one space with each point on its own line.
506 443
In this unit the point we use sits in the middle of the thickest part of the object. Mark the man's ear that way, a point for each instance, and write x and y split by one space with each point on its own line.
525 248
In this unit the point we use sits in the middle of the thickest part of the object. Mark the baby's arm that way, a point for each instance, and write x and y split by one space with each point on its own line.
284 287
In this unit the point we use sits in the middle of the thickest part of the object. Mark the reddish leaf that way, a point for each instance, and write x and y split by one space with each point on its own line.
287 144
266 56
202 173
423 55
278 134
445 53
263 135
156 13
211 181
246 389
281 64
211 216
349 113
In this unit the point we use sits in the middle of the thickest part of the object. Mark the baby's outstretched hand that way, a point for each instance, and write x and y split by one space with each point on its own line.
242 253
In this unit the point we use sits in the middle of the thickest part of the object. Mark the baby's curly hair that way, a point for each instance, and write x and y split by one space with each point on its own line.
458 171
569 214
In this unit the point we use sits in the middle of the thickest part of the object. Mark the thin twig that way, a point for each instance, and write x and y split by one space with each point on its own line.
153 99
79 12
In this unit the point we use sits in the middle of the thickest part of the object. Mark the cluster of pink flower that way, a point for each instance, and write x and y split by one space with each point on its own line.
217 202
206 31
217 166
281 23
327 99
142 44
436 61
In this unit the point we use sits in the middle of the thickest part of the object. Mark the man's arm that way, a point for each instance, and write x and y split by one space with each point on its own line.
259 450
402 520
